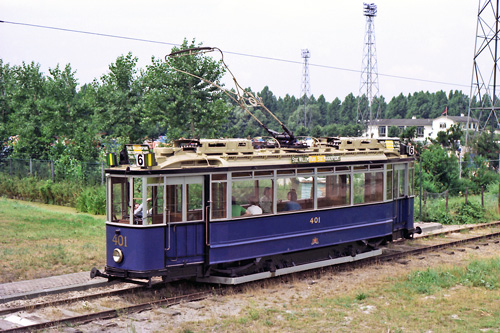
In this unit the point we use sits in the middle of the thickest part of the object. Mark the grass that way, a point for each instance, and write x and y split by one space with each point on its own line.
38 242
443 299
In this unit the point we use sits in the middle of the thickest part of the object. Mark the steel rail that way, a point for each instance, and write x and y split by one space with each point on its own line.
108 314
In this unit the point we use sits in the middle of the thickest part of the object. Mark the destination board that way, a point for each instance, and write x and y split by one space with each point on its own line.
315 159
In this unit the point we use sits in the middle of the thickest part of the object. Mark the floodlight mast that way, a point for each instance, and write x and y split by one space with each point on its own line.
369 74
241 96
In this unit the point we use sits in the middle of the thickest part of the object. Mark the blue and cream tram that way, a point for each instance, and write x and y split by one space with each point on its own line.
228 211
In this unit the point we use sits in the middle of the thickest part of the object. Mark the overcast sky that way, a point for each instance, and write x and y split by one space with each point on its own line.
429 40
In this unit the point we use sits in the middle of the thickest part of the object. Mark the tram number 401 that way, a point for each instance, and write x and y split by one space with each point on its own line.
314 220
120 240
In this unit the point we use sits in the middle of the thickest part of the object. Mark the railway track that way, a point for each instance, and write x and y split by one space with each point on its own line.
151 298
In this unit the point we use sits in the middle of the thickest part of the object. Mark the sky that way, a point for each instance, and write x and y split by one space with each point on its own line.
424 45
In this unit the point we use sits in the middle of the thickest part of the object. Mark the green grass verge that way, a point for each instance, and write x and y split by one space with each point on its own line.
38 242
445 299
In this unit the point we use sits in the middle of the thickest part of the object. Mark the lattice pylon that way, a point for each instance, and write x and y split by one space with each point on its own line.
369 86
484 102
306 87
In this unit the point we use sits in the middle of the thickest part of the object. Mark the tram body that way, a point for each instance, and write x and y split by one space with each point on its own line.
176 219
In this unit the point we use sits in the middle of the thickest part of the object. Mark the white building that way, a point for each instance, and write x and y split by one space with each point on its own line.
426 128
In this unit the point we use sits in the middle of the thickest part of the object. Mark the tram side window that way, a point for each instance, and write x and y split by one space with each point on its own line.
368 187
219 203
251 197
333 191
174 203
294 193
194 194
241 192
399 183
389 185
411 182
119 200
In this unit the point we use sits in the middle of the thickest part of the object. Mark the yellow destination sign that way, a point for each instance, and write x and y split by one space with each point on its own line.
315 159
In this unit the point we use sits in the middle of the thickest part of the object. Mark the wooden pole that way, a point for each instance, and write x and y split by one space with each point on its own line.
466 194
446 200
482 196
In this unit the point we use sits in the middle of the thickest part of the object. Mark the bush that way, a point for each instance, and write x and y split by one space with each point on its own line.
85 199
92 200
469 213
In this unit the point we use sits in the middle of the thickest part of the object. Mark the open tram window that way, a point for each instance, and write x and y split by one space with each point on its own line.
295 193
333 191
119 194
194 193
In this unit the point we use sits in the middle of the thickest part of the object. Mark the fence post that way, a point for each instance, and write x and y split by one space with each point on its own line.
31 167
466 194
10 167
482 196
447 200
102 173
52 170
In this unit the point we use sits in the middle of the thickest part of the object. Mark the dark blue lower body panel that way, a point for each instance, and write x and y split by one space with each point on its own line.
264 236
156 248
143 248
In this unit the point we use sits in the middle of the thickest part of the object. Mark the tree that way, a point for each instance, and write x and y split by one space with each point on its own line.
487 146
119 102
198 108
441 169
397 108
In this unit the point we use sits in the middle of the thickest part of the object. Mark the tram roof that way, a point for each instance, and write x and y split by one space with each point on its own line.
213 153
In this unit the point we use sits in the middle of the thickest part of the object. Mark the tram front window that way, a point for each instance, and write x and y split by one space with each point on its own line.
118 210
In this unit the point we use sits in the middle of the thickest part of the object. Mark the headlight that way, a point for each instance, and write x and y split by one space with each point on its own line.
117 255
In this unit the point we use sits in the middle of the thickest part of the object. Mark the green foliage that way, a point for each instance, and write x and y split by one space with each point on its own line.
440 170
469 213
85 199
92 200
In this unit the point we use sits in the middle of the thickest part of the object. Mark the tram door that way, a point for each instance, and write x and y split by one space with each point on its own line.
400 191
184 214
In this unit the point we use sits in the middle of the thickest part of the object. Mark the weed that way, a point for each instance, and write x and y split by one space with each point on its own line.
361 296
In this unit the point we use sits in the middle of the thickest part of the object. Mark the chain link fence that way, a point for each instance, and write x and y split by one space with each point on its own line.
80 172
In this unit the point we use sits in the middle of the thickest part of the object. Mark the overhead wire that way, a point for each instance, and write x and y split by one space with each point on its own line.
228 52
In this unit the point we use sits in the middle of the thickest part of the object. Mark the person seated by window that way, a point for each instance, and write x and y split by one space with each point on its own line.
292 203
138 209
266 201
254 209
237 210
